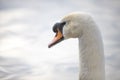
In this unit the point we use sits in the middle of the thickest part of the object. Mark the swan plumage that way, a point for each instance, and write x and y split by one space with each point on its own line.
91 53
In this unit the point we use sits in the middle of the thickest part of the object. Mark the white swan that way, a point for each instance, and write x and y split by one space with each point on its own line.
81 26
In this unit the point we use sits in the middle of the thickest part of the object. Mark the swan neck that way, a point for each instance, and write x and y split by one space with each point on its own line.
91 57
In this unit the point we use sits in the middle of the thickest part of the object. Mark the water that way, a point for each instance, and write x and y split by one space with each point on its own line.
25 31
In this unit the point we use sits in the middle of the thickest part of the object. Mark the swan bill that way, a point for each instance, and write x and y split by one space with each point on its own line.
58 38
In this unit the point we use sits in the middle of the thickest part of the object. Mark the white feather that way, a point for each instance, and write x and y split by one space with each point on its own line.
81 26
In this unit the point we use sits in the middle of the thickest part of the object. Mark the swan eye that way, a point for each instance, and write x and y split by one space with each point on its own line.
55 27
58 26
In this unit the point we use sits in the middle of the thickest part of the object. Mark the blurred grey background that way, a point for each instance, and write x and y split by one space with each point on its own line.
26 30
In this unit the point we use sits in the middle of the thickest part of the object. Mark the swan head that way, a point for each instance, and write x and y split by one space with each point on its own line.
71 26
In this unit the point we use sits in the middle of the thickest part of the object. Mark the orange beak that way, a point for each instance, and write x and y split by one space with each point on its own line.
58 38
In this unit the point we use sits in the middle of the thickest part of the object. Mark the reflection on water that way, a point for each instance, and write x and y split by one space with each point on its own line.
13 69
25 30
